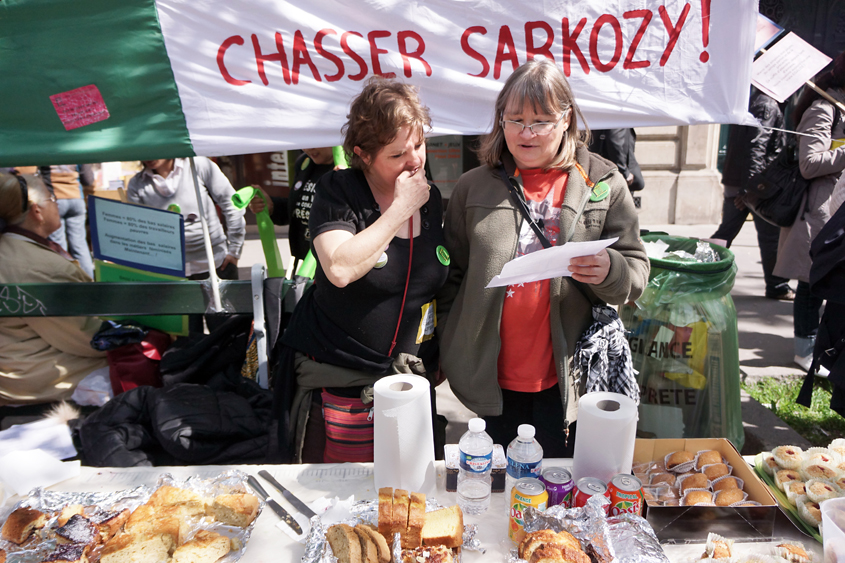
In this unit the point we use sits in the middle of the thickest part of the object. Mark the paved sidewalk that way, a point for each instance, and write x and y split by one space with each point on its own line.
765 336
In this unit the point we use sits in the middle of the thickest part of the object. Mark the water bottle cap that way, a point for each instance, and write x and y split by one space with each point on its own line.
525 431
477 425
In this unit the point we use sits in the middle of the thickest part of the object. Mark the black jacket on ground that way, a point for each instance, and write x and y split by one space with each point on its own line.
206 413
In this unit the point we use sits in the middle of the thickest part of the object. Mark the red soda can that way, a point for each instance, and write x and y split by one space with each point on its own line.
587 487
559 485
626 495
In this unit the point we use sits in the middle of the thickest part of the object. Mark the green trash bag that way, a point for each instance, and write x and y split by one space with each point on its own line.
683 339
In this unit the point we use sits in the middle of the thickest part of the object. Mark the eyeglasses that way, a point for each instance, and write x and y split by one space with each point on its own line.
539 128
53 198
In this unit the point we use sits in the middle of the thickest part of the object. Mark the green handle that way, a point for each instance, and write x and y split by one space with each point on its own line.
308 267
339 157
266 232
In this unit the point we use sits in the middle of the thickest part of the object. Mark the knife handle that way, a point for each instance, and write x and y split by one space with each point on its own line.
253 482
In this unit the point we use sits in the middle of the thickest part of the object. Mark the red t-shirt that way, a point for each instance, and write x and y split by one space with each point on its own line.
526 359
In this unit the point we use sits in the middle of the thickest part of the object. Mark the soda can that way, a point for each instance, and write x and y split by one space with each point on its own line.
526 492
626 495
587 487
559 485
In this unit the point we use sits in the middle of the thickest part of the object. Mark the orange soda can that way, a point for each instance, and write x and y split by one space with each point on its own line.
526 492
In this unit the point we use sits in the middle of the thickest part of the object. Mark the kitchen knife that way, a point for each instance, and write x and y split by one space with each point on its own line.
300 506
277 508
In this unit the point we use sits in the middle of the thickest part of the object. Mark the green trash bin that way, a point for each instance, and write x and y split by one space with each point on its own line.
684 344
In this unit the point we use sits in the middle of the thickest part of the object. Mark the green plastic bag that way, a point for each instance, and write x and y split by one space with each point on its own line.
684 344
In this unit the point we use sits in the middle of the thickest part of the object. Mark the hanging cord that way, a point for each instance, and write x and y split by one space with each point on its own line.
407 280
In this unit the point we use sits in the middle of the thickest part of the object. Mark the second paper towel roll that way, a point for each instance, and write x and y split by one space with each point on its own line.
605 435
403 448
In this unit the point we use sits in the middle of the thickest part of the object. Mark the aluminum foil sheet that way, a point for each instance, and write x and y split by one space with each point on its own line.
318 550
620 539
51 502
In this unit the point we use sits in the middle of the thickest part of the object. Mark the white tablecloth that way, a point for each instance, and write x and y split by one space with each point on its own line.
269 544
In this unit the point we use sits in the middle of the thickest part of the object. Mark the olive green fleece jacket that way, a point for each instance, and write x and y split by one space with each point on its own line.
481 229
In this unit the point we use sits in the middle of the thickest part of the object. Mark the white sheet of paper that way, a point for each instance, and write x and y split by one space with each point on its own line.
785 67
547 263
22 471
49 435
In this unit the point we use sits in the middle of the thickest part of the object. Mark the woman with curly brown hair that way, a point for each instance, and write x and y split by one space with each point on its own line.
377 234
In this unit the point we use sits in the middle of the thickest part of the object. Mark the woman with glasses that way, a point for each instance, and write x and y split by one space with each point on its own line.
42 359
377 234
506 350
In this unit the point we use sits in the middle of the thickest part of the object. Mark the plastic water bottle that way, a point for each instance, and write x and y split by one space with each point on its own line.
525 458
476 464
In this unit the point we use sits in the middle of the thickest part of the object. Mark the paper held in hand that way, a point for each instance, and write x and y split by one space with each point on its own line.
547 263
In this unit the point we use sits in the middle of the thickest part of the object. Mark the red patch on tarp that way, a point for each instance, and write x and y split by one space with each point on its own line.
80 107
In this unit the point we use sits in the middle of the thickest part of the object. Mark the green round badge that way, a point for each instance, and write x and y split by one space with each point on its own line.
382 261
600 191
443 255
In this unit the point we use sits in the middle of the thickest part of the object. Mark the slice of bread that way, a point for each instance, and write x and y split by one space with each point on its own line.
401 504
369 549
78 530
110 523
140 548
68 511
345 544
68 553
21 523
381 543
193 502
385 513
238 509
169 521
444 527
416 519
205 547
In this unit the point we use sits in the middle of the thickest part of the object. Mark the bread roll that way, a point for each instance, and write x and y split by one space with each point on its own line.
678 458
238 509
698 497
708 457
728 497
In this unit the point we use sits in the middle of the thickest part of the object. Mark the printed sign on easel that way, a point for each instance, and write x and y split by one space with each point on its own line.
136 236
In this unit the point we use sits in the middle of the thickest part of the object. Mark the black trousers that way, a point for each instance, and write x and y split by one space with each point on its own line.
544 411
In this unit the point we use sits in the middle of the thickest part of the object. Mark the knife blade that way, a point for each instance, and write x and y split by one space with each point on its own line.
275 506
301 506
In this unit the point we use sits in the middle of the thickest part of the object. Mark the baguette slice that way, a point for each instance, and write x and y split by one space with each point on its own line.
416 519
401 504
444 527
345 544
383 550
369 549
385 513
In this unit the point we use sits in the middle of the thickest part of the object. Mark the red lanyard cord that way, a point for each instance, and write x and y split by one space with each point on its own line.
407 280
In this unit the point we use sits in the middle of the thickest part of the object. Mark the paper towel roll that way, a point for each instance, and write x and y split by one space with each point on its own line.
605 435
403 449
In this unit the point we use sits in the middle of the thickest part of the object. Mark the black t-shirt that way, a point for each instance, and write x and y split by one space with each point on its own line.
298 204
354 326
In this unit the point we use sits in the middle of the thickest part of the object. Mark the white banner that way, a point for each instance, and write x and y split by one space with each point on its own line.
272 75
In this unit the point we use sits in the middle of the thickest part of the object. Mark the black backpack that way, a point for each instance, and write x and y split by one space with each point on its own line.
827 280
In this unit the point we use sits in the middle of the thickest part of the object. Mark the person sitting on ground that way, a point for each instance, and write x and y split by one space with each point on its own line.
42 359
295 209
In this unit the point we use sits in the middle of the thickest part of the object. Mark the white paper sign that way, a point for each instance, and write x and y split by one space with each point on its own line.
547 263
784 68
